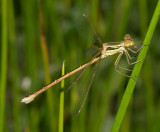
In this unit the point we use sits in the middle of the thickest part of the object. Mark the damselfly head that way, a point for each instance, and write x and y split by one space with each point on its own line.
127 37
128 41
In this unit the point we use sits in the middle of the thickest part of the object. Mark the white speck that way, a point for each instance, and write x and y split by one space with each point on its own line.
26 83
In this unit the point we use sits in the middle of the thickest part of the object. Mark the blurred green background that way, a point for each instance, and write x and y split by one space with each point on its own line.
41 34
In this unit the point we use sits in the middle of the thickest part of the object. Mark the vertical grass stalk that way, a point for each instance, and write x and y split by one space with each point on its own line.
61 104
47 73
3 72
143 16
126 9
131 84
14 69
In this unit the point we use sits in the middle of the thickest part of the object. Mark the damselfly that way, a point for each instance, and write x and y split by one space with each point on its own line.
107 49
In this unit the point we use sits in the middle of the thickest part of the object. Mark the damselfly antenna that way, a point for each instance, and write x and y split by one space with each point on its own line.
84 15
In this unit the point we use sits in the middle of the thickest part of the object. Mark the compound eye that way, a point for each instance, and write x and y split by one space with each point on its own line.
132 43
128 43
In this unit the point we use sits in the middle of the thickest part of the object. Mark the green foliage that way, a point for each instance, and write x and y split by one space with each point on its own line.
36 36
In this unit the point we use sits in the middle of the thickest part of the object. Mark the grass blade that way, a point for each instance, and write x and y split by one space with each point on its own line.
3 64
61 106
136 71
47 71
15 72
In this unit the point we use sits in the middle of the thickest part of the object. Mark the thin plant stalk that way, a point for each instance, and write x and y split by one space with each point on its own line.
14 67
149 95
61 104
131 84
3 72
143 16
147 76
46 68
126 9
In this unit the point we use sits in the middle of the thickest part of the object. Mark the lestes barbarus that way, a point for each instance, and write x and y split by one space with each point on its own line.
107 49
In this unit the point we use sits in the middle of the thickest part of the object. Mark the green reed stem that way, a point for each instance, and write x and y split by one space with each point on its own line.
61 105
3 73
47 72
131 84
126 8
143 16
14 70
